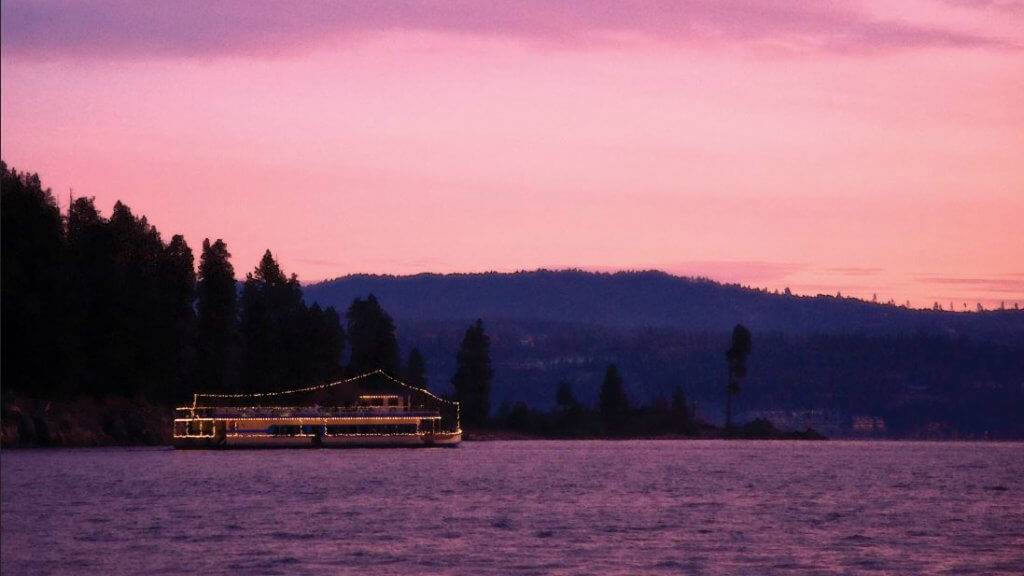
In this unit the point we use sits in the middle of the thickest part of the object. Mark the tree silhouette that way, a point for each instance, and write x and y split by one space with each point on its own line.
736 356
371 332
570 416
175 311
32 244
613 403
472 379
325 341
217 318
416 369
273 329
680 410
564 397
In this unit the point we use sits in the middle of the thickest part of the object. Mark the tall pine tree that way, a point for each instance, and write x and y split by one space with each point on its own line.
176 312
416 369
736 358
285 343
32 239
217 309
472 380
613 403
371 333
271 319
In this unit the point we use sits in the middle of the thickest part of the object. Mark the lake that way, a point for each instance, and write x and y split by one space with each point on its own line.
525 507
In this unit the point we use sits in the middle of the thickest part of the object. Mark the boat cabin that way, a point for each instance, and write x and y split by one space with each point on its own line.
373 409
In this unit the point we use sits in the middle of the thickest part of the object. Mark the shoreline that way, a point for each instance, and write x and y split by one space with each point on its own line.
135 423
156 447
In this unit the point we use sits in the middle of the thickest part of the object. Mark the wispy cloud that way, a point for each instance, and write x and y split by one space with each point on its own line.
1008 283
142 29
752 272
1008 6
855 271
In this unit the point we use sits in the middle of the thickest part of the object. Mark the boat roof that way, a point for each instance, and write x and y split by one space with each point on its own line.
329 393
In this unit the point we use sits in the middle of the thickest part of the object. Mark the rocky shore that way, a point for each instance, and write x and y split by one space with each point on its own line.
84 422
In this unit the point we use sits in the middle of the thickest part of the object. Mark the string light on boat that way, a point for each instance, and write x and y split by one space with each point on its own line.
211 416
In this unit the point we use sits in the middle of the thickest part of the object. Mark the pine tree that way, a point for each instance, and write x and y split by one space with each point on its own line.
217 309
371 333
32 237
680 410
271 329
176 294
416 369
325 343
564 397
570 413
736 357
89 269
613 403
472 379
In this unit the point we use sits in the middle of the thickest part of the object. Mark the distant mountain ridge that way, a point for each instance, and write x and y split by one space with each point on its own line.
640 299
833 363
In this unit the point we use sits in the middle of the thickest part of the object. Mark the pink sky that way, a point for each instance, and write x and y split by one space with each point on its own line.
827 147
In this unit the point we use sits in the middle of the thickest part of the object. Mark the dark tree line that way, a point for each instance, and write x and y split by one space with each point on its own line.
104 306
91 304
613 416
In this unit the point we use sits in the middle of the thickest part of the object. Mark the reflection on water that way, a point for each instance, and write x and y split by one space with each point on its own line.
520 507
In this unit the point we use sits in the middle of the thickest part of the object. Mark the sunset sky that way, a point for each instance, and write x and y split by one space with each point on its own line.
824 146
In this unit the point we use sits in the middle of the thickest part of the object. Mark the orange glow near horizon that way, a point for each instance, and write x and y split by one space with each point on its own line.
775 149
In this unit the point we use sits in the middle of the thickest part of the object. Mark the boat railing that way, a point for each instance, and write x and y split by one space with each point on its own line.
300 412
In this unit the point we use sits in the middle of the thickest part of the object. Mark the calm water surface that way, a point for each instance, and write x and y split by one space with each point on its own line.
656 507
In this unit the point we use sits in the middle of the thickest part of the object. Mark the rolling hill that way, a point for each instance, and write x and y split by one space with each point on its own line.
831 362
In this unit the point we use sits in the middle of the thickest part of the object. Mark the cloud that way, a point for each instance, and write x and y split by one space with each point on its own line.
753 272
855 271
145 29
1007 6
1008 283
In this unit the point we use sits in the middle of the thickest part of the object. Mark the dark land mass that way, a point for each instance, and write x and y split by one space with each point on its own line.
840 365
116 421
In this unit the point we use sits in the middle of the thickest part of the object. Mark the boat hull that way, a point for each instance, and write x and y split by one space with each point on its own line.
444 439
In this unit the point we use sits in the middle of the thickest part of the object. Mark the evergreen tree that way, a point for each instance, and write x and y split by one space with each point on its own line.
90 271
416 369
176 279
680 410
614 405
325 343
472 379
564 397
142 352
31 241
371 333
217 309
271 324
736 357
570 413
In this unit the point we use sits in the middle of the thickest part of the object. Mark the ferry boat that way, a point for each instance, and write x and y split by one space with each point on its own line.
374 409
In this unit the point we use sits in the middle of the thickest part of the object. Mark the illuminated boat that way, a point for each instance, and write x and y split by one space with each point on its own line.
373 409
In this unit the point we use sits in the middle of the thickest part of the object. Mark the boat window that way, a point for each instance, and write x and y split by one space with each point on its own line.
284 430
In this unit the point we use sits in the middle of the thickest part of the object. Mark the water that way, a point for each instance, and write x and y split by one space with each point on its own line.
520 507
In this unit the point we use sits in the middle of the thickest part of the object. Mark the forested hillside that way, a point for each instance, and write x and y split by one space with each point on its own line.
842 365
